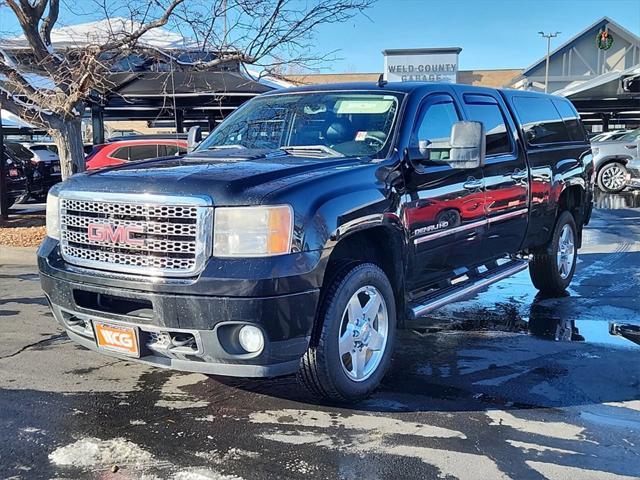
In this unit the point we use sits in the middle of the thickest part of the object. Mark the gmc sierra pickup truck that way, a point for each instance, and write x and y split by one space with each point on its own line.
313 223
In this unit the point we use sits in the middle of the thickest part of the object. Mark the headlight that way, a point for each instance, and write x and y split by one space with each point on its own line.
53 214
252 231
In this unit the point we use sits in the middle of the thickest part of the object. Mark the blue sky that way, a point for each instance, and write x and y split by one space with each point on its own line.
492 33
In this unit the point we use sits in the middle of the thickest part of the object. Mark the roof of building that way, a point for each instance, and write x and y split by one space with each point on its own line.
481 78
594 27
84 34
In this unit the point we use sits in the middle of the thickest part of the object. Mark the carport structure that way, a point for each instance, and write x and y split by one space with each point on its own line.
180 99
610 98
601 78
165 80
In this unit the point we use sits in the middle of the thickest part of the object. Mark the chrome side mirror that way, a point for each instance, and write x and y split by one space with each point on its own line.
194 137
468 145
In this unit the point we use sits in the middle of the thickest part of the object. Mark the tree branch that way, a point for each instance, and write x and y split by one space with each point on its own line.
129 39
50 21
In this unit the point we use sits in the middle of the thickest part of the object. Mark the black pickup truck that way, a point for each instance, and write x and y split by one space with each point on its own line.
313 223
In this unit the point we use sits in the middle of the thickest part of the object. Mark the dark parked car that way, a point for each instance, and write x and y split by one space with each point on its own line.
41 174
16 180
47 163
313 223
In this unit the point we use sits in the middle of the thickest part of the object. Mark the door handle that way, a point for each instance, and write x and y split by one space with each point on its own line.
473 184
631 147
520 175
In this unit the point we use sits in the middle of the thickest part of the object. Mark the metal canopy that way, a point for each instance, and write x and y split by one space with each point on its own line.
206 97
604 98
153 95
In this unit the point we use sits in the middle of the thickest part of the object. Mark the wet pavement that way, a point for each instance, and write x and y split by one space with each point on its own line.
507 384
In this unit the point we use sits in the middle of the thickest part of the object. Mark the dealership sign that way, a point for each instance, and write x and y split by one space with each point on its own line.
421 65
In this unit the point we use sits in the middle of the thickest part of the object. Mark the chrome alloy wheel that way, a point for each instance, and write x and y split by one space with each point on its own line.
614 178
363 333
566 252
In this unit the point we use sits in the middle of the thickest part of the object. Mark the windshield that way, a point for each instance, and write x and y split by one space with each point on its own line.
327 124
632 136
19 151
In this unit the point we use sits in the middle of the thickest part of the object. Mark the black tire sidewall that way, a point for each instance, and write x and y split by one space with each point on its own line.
565 218
356 278
601 172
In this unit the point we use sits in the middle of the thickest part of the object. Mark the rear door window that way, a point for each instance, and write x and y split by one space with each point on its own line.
142 152
540 120
571 119
121 153
171 149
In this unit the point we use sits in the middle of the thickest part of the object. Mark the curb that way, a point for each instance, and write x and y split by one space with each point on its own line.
18 255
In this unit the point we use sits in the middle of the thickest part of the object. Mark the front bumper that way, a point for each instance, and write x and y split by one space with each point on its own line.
165 310
633 167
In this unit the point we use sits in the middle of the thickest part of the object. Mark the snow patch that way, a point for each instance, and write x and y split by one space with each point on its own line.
93 452
233 454
172 396
202 474
382 425
560 430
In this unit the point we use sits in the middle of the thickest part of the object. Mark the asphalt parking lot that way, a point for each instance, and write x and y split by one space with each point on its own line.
514 386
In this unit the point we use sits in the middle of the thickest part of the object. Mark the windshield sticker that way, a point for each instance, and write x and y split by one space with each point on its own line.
368 106
360 136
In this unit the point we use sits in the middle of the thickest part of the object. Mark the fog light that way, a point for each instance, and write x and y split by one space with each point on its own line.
251 338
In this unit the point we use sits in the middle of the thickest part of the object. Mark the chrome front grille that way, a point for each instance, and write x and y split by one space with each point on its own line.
144 234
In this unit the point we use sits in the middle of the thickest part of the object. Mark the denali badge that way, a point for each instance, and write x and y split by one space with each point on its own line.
104 232
431 228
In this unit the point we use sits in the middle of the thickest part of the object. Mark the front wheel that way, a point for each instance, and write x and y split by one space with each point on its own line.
613 177
351 349
552 268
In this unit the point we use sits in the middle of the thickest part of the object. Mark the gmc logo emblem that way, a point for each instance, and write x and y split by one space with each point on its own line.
104 232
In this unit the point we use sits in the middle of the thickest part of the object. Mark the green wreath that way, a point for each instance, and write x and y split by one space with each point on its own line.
604 40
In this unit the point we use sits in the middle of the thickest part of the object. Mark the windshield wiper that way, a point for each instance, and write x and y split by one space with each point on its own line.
225 147
313 151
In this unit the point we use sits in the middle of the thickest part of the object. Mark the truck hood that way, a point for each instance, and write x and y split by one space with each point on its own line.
229 177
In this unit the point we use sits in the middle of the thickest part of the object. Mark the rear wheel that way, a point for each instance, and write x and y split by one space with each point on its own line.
351 349
553 267
613 177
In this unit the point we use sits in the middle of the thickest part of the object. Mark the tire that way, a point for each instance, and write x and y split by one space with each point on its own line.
612 178
553 267
351 377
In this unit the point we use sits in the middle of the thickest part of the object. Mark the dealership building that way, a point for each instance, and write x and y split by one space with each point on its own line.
598 69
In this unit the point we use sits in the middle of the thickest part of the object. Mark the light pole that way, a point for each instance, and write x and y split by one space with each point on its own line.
548 36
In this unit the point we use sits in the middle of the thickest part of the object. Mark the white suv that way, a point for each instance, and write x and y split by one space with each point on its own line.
612 161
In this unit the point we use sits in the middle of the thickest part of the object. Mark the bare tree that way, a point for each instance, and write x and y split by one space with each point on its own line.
50 86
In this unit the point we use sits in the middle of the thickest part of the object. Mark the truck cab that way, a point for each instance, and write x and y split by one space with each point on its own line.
313 223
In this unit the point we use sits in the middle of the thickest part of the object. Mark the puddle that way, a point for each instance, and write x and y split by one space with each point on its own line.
555 319
515 306
617 201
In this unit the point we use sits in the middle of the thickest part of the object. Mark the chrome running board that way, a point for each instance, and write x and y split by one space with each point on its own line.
454 292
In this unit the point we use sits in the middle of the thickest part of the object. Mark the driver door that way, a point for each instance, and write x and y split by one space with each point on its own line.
444 206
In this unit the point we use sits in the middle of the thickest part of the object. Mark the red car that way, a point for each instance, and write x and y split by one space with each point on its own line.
129 150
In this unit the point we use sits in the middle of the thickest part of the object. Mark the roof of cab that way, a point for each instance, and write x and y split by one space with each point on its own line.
403 87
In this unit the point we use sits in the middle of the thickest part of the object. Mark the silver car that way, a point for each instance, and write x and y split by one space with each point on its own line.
609 136
616 162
